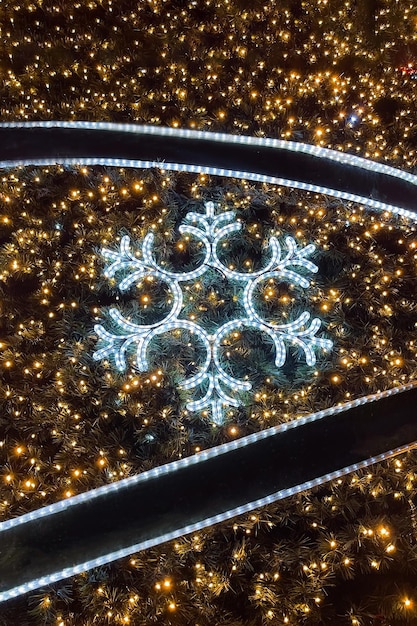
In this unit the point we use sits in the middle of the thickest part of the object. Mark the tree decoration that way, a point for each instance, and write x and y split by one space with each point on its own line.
343 554
213 378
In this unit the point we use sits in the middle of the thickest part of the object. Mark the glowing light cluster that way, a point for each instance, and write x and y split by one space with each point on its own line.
212 378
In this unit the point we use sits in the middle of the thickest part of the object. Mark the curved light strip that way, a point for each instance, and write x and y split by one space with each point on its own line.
172 467
220 138
214 171
267 142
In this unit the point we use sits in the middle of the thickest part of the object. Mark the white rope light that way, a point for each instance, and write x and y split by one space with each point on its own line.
210 230
220 138
301 332
211 453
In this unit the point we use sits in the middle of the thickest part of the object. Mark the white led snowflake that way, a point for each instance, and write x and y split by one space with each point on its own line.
218 389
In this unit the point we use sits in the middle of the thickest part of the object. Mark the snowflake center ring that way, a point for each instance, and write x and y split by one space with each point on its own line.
218 389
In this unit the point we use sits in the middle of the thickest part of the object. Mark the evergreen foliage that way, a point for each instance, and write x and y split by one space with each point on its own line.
341 554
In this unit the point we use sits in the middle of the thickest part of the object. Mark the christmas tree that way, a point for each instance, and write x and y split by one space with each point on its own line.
341 553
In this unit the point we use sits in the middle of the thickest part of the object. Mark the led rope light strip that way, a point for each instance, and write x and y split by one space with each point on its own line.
195 461
162 131
187 137
216 519
209 232
214 171
199 457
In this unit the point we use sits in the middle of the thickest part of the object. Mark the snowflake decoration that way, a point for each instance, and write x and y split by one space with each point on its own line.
217 387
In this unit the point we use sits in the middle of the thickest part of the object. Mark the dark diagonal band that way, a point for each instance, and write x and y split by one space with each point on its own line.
111 522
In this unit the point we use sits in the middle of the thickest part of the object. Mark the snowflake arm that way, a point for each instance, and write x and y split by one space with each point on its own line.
215 399
116 346
122 260
199 405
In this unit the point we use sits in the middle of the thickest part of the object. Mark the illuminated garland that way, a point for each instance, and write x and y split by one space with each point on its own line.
395 427
164 148
210 229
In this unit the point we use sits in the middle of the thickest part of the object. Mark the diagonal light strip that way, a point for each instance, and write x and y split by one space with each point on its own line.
202 490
